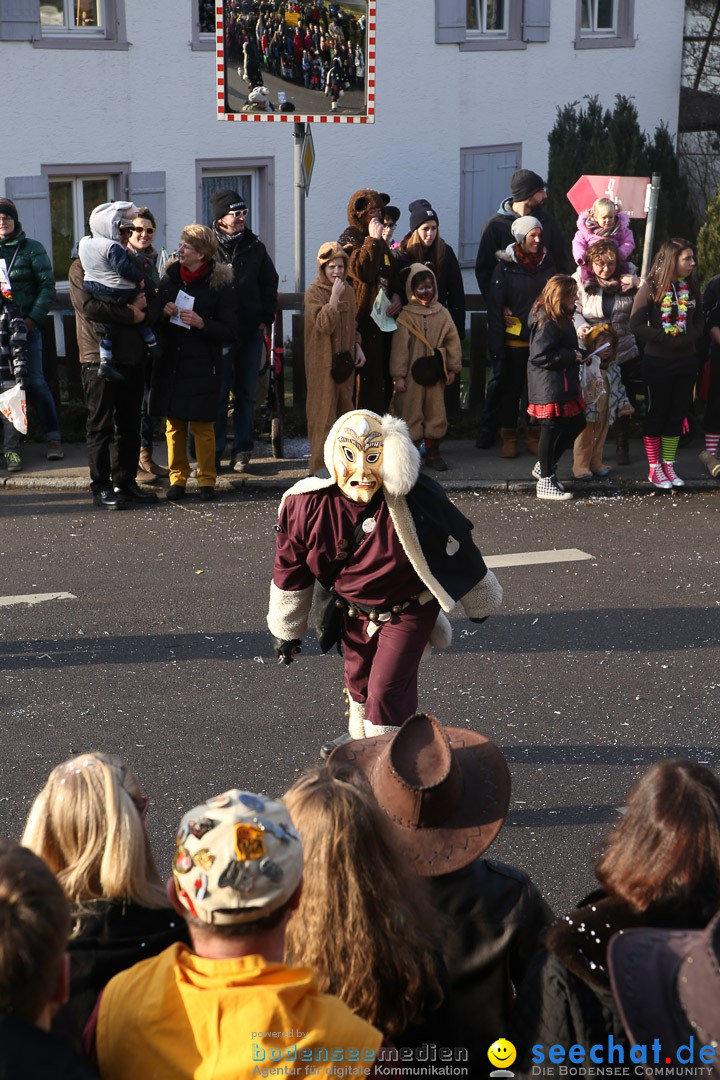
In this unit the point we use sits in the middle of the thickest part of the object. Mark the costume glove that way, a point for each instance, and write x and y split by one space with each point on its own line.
286 651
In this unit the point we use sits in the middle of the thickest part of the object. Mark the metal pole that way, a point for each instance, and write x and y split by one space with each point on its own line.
299 136
652 205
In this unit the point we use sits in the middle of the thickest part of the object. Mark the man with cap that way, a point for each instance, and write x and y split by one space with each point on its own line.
527 195
446 793
228 1007
25 270
666 984
256 282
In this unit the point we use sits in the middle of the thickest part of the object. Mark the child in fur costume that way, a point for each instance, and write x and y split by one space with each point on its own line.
425 358
394 552
603 221
332 348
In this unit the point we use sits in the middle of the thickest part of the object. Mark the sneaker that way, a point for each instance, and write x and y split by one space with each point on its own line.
206 493
548 488
13 461
711 463
55 451
240 462
537 475
658 479
668 467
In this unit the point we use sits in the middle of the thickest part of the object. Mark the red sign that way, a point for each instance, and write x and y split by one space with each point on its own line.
627 192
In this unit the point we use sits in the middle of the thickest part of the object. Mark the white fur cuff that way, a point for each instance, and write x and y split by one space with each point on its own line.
287 616
484 599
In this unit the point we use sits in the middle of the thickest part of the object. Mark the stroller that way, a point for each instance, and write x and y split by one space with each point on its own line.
271 372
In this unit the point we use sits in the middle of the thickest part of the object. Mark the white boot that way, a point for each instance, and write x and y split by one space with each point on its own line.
372 730
355 712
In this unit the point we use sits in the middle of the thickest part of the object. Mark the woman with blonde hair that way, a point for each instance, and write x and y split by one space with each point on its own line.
88 825
660 867
365 925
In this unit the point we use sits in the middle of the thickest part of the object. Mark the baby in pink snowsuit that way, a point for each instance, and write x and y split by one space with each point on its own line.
602 222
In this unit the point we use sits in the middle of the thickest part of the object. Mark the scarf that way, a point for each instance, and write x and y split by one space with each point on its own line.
188 276
527 260
229 242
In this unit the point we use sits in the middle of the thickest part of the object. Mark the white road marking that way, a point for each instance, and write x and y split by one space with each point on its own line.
533 558
35 598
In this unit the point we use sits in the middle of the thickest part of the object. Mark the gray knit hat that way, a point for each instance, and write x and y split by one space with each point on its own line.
523 225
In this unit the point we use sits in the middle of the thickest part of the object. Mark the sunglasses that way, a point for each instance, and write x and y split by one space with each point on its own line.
237 213
141 229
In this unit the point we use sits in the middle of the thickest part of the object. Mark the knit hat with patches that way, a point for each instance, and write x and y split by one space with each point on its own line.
223 202
238 859
420 213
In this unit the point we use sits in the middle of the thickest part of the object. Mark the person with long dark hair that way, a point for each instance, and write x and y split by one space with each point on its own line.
667 320
660 868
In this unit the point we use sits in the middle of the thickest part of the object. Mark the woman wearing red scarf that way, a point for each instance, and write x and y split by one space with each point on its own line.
521 274
198 308
667 320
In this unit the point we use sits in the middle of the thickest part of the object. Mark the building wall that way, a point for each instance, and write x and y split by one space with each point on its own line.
153 105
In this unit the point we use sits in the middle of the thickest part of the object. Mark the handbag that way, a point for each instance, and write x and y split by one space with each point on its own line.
342 366
330 626
426 370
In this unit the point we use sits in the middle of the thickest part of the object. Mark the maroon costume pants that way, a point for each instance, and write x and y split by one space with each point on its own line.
382 671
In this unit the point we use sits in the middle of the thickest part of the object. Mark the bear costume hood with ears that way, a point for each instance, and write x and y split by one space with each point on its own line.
401 458
363 200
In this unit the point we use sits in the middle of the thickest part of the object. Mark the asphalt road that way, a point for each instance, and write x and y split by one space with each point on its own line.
594 669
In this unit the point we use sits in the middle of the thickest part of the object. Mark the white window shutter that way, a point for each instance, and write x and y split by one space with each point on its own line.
536 20
450 21
148 189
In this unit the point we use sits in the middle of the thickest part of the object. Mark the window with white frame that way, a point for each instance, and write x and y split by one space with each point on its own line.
605 24
203 25
206 16
60 16
598 17
253 179
487 17
245 183
72 198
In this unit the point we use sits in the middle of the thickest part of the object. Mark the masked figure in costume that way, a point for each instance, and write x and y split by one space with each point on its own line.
396 554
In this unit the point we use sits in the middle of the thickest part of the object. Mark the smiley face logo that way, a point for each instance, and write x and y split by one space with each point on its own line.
502 1054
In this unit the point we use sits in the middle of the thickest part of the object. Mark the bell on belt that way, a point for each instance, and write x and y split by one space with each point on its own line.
338 603
352 612
372 615
396 609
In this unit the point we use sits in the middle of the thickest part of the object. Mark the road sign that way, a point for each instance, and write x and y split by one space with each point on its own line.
307 159
627 192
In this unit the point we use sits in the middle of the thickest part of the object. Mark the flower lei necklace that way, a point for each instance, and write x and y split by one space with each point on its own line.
680 297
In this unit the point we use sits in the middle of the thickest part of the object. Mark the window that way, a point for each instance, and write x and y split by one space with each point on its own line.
203 30
82 24
253 179
485 173
605 24
486 17
71 202
491 24
598 17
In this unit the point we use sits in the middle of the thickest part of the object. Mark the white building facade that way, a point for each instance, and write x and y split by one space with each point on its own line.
467 91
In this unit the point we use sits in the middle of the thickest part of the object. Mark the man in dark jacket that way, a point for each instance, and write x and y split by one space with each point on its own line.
113 421
527 195
256 283
28 269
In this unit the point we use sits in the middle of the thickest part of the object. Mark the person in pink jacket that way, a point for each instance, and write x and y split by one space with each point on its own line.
603 221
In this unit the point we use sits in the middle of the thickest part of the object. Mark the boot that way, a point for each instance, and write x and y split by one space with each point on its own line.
355 713
148 465
509 442
622 446
432 458
532 439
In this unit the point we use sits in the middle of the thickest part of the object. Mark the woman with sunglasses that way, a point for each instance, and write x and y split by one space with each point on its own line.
141 247
88 824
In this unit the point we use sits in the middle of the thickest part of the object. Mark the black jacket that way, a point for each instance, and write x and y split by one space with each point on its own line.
128 345
29 1053
256 280
495 917
566 996
516 287
186 382
110 936
553 367
497 234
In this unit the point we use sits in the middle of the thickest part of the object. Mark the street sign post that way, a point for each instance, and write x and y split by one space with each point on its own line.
629 193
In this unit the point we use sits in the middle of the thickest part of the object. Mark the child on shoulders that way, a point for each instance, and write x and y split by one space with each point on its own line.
603 221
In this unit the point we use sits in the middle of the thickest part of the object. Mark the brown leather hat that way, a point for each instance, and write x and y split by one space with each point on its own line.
445 790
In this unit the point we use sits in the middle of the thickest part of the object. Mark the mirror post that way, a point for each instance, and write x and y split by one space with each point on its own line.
300 195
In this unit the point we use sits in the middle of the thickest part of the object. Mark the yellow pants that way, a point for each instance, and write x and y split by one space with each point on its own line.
203 431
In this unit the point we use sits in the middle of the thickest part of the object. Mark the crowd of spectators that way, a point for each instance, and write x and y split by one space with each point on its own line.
355 923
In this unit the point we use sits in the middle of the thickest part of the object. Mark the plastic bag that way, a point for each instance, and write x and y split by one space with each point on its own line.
591 381
13 407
